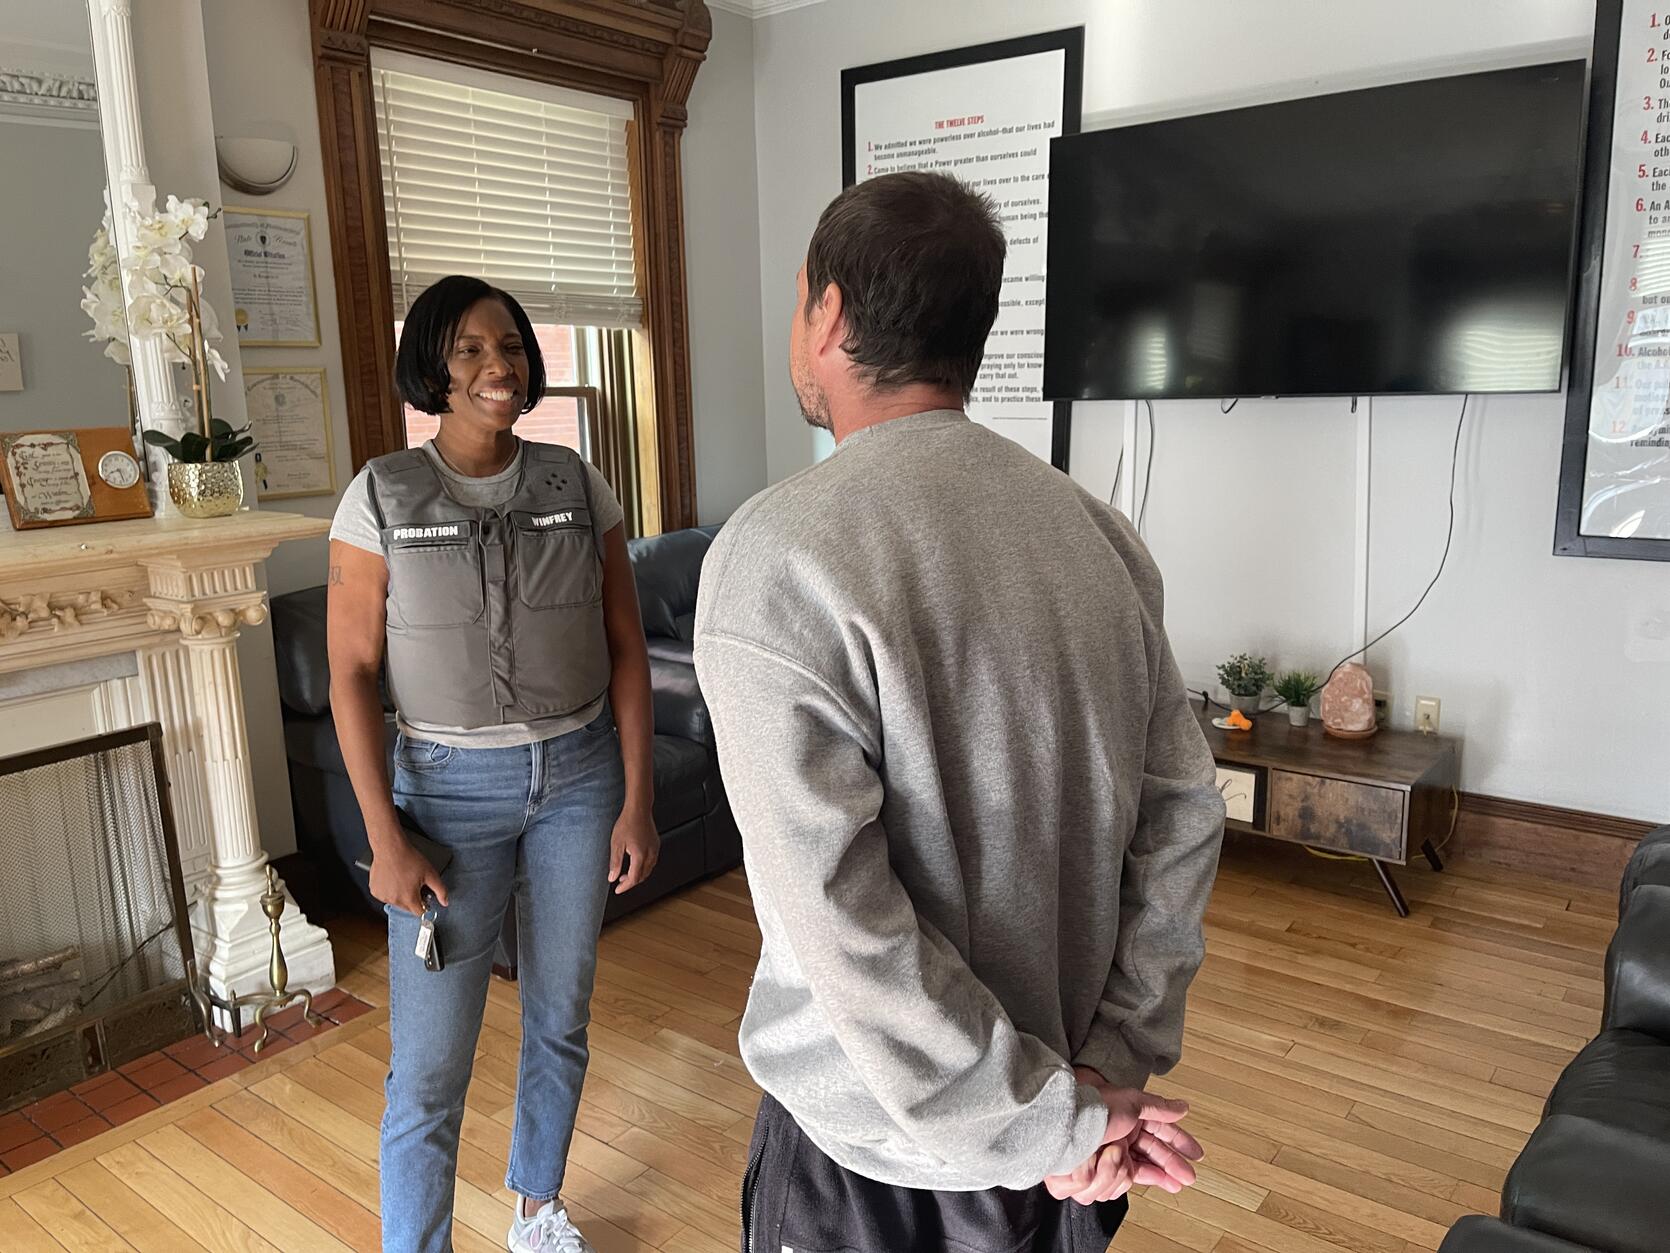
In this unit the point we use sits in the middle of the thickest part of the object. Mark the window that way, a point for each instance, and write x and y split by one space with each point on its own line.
524 185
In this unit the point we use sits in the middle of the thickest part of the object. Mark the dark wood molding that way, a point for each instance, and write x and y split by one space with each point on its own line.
644 51
1477 805
354 196
1572 845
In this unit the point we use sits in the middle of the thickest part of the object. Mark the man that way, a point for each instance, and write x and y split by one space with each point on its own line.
979 818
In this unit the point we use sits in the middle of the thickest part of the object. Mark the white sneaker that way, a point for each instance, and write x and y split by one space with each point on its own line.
548 1231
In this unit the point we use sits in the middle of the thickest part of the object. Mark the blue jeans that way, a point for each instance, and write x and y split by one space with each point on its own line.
534 821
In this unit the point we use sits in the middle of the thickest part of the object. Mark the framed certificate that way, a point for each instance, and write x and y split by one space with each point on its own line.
290 417
271 255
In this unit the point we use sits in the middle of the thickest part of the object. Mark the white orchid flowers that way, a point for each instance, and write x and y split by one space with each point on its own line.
103 300
163 284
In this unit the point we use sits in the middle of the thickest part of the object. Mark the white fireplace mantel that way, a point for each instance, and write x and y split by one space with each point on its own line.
173 593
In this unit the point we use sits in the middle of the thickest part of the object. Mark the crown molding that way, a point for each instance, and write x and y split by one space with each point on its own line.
41 95
759 8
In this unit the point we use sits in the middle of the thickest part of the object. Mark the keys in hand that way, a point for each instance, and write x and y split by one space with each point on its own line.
428 941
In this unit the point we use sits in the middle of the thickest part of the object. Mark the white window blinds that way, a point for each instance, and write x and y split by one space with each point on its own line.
527 191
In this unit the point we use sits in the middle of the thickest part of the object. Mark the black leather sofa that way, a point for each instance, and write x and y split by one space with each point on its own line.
1595 1174
698 835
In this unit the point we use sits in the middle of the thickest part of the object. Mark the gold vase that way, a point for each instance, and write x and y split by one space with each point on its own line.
205 489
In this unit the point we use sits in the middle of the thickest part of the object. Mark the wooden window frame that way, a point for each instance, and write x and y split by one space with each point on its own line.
643 51
591 419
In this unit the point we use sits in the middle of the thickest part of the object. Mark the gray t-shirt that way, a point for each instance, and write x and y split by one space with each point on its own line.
355 523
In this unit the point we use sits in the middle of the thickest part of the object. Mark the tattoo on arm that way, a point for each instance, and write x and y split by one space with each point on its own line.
335 575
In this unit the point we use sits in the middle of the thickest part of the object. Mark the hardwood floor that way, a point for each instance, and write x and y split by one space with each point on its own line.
1359 1081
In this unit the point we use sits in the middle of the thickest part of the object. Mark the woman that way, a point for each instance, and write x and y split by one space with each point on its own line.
493 575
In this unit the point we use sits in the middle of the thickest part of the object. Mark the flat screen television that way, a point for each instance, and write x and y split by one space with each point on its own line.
1408 239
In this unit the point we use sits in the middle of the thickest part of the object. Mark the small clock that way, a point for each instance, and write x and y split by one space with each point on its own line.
119 469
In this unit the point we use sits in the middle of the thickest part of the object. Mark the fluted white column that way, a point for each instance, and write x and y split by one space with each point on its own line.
206 603
131 191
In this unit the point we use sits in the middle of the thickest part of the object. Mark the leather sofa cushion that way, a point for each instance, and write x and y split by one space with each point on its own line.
304 674
312 742
303 655
681 768
1478 1234
1638 966
1622 1079
1595 1183
1650 863
668 572
678 703
663 649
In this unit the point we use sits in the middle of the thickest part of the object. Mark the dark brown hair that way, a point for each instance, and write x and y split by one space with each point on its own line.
919 261
420 370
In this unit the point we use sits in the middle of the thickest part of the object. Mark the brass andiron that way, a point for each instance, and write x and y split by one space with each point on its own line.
278 974
278 971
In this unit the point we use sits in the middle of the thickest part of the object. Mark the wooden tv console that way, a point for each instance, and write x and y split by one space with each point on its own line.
1378 798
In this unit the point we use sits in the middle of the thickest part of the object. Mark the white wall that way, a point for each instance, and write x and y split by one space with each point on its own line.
261 83
722 273
1556 671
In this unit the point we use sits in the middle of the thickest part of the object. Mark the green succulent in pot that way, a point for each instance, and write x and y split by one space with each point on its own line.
1245 677
1297 688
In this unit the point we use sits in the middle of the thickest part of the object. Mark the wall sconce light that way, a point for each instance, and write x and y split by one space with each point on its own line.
256 167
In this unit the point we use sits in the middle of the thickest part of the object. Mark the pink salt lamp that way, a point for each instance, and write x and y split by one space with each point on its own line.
1348 703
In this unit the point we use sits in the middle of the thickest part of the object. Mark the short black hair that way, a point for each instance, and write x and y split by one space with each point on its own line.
420 369
919 261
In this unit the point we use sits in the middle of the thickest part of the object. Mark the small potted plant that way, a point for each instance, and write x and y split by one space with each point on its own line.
1245 679
1297 688
204 480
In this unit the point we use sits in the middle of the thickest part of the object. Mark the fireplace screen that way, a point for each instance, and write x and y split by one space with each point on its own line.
96 962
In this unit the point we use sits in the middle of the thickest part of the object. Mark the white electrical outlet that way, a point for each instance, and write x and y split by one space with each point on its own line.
1426 714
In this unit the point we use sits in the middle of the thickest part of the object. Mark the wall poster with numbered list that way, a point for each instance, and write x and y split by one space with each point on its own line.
1615 467
985 114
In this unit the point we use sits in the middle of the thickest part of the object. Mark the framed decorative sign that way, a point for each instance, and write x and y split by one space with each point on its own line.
1615 467
58 478
271 255
290 417
985 114
11 363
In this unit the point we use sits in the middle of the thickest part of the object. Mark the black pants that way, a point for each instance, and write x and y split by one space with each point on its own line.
796 1200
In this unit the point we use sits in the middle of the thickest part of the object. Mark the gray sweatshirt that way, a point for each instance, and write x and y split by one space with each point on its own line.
980 821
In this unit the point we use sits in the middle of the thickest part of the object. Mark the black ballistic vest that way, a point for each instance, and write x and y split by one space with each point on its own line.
495 615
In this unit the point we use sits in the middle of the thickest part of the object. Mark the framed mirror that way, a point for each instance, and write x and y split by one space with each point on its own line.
69 114
61 366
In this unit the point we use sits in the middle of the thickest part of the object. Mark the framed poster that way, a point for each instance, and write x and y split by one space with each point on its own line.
271 256
985 114
1615 464
290 417
58 478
